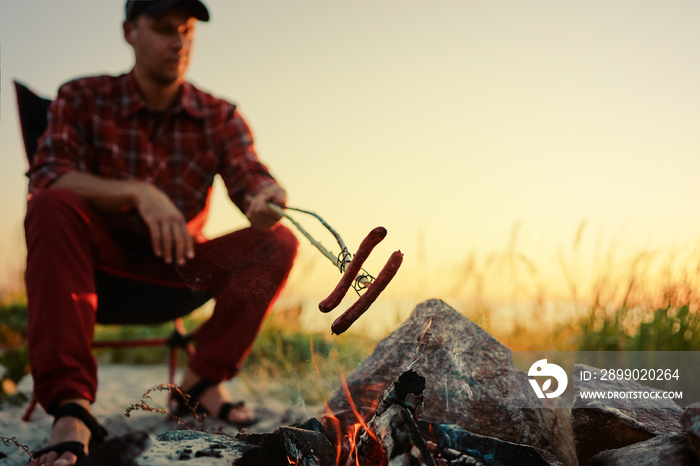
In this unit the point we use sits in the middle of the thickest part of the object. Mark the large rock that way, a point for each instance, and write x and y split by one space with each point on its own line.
663 450
471 381
690 420
606 424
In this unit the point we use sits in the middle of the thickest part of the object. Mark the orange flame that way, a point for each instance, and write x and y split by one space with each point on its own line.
354 408
353 431
353 441
336 424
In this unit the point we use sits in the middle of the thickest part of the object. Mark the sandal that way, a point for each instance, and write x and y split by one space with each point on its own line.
97 432
192 397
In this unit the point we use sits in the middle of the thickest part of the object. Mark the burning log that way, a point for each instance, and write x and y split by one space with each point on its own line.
268 449
307 447
393 438
397 432
335 427
406 391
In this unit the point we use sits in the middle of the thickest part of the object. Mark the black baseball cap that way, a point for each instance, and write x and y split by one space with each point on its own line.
156 7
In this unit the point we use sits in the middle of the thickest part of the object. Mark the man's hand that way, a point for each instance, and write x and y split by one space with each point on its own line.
260 215
166 223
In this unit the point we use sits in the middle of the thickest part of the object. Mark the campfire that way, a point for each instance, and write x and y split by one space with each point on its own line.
391 434
350 437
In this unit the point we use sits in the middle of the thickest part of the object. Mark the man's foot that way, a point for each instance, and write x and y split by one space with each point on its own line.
67 429
214 397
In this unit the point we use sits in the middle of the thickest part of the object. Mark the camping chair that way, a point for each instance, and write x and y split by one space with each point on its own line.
33 119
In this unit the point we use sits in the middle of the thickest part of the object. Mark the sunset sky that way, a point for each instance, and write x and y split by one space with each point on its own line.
453 123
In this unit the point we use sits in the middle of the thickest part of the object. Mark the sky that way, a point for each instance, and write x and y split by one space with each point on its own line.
466 127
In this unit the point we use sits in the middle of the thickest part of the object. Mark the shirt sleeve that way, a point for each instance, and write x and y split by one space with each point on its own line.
61 149
242 172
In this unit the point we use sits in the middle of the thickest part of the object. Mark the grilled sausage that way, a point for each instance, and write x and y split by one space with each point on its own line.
337 295
354 312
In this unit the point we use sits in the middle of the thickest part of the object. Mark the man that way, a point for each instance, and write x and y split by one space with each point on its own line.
118 196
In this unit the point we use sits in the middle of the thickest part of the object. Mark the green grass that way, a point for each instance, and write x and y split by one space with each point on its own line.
14 357
305 367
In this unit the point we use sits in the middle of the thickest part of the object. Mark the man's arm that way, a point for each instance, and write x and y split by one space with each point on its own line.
250 185
165 222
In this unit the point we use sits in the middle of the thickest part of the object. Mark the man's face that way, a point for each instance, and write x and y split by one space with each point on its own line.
162 45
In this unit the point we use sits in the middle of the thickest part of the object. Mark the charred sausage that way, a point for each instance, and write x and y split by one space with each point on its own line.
337 295
354 312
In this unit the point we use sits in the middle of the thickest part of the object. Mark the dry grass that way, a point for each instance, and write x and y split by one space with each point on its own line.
13 442
647 300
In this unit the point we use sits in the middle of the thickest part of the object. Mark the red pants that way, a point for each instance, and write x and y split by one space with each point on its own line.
75 262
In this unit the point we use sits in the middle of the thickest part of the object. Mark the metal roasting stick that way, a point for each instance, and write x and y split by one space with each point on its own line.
354 276
338 261
342 260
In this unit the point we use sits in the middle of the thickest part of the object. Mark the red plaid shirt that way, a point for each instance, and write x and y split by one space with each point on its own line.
101 125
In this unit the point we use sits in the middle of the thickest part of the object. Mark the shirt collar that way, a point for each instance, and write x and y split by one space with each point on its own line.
190 102
131 100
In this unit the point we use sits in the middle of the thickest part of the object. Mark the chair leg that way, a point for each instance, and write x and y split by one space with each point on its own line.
179 339
30 409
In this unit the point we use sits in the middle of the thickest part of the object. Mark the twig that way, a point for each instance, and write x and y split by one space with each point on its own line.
144 406
13 442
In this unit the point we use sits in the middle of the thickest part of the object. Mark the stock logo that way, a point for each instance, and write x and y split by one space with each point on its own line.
542 368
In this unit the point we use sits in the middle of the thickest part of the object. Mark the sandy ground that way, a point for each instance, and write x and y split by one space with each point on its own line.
124 385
